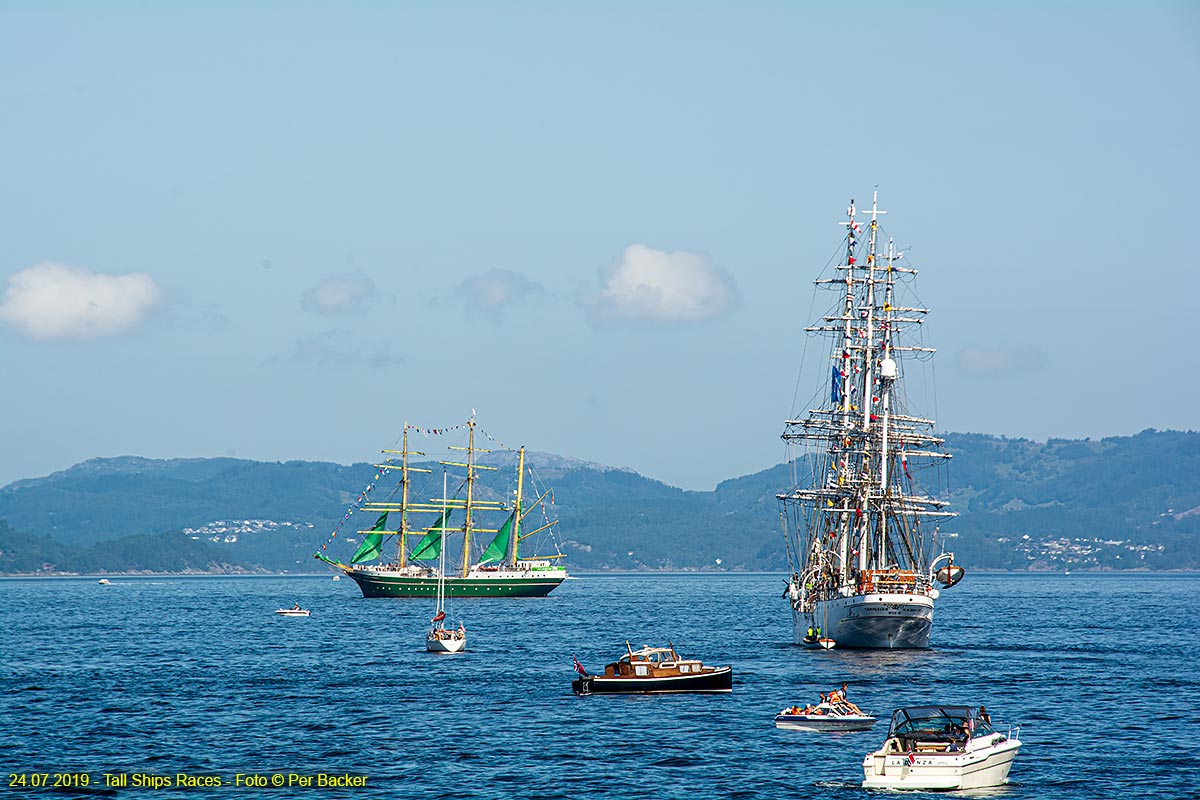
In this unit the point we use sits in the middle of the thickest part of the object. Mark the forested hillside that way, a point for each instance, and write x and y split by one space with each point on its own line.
1119 502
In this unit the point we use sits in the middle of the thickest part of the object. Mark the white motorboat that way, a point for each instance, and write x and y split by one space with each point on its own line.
824 717
105 582
294 611
941 748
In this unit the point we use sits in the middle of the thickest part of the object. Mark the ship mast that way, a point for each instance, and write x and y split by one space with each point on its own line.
404 505
856 502
516 531
466 559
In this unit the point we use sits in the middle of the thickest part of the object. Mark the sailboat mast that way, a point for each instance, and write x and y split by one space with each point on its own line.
441 591
466 559
516 531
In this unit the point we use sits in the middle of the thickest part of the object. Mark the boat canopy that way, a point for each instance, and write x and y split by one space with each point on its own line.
654 654
935 720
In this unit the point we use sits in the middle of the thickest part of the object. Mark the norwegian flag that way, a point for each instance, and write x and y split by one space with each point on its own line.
912 758
904 463
579 667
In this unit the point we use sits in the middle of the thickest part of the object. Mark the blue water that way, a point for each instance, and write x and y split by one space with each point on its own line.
198 676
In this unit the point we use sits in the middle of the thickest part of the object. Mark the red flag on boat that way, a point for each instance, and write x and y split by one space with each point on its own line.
579 667
912 758
441 615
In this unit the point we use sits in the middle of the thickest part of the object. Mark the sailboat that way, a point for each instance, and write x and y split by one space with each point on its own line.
440 640
857 517
498 570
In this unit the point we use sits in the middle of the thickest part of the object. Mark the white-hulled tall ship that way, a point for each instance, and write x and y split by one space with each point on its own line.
857 519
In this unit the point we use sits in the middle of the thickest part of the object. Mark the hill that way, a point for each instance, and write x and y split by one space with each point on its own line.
1119 502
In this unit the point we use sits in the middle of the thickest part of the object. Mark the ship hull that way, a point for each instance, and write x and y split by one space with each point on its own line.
381 584
871 621
718 680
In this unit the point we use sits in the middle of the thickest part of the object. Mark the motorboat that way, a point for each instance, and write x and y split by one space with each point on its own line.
294 611
653 670
105 582
825 716
941 748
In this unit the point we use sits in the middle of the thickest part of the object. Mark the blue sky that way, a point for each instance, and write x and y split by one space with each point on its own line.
278 230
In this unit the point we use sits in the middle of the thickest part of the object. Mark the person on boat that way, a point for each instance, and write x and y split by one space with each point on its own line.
295 606
810 636
983 717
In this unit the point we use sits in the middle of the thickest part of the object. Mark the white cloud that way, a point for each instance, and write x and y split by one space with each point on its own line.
493 291
999 361
334 349
340 293
652 285
55 301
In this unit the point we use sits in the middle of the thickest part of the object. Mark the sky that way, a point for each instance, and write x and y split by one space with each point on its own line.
278 230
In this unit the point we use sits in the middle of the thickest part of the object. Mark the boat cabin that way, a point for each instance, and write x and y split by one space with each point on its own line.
887 581
934 729
653 662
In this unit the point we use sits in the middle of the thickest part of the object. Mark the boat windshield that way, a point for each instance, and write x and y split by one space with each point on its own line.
917 721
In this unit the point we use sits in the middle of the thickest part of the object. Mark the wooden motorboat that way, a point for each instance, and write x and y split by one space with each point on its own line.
653 670
941 748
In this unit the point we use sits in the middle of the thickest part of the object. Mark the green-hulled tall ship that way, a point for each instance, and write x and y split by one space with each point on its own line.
499 570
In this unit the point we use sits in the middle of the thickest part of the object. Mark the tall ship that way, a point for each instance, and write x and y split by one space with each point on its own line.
861 519
485 561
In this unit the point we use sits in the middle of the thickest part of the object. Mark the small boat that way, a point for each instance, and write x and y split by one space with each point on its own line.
825 716
105 582
440 640
294 611
941 748
653 670
443 640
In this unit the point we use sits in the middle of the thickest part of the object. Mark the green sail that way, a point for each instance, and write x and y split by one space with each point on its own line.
499 546
430 546
372 546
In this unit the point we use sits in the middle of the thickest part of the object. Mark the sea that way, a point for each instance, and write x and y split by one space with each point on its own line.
192 687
